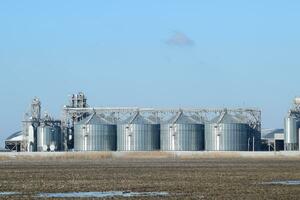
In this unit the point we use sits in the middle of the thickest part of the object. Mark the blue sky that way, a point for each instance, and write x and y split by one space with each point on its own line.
149 53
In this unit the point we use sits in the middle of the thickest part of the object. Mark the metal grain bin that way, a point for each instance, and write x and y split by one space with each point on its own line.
227 133
182 133
95 133
138 134
49 138
254 134
291 133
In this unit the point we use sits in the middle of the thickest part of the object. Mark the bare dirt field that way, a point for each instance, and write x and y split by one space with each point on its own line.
202 178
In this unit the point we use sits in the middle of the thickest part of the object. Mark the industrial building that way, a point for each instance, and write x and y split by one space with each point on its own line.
14 141
272 139
85 128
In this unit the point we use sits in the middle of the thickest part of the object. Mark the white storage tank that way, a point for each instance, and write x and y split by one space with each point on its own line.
291 133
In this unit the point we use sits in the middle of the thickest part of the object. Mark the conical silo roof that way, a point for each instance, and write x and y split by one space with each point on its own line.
94 119
154 119
243 119
181 118
226 119
137 119
198 119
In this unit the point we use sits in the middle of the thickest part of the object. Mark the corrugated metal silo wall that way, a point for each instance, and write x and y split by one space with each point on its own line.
47 135
43 137
226 137
58 138
291 126
95 137
138 137
182 137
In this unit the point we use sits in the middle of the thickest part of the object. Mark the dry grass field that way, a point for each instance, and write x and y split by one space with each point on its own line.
202 178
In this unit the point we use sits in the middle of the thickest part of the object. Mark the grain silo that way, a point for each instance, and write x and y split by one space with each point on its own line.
49 138
291 133
182 133
95 133
227 133
138 133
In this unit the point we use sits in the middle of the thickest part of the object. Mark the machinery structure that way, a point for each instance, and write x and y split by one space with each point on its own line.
85 128
40 133
127 117
77 102
30 124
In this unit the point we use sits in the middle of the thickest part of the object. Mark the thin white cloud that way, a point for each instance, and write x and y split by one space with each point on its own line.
180 39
